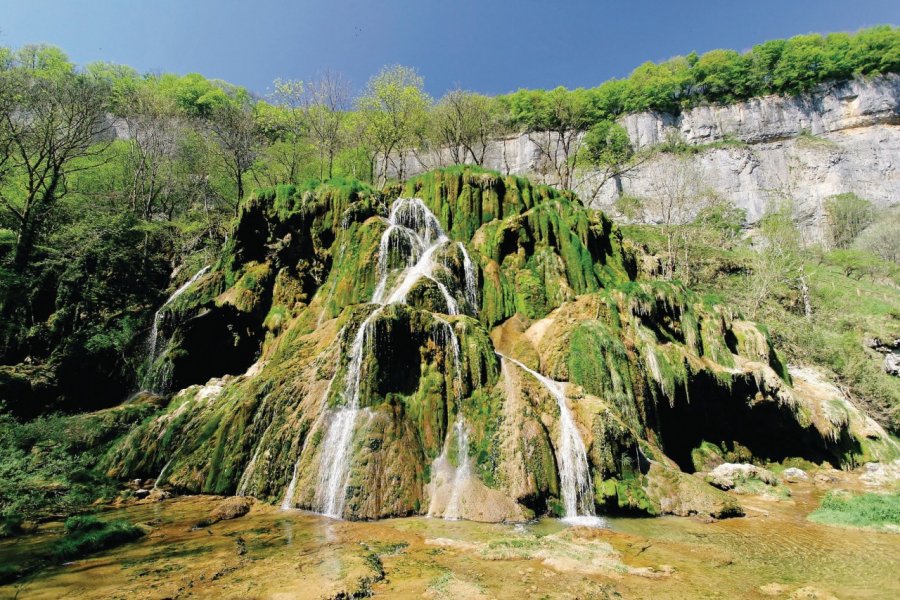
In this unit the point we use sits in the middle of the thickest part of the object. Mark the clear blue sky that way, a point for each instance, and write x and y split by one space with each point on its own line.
490 46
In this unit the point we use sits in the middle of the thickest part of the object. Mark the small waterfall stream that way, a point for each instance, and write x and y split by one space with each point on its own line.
574 472
157 318
414 234
462 471
154 331
162 474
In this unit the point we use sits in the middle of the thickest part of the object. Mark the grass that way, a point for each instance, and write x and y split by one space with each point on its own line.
49 466
870 511
86 534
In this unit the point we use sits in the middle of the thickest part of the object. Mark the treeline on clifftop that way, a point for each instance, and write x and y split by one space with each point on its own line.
119 186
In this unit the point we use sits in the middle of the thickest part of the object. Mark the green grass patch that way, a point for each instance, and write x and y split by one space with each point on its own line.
86 534
871 511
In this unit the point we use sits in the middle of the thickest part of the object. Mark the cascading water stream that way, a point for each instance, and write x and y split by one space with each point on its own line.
462 471
415 233
154 331
574 471
162 474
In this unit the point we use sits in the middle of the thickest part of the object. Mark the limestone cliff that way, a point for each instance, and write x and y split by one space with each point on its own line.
844 137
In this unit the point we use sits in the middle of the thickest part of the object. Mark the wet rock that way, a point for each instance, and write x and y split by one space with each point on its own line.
881 474
232 508
793 475
811 593
141 493
157 495
825 478
892 364
729 476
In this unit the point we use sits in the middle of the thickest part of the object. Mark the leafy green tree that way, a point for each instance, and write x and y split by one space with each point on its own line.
464 122
847 215
65 116
393 109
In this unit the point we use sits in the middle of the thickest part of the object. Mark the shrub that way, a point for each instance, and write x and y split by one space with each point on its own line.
847 216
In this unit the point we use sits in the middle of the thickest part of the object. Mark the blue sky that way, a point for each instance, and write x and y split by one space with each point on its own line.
490 46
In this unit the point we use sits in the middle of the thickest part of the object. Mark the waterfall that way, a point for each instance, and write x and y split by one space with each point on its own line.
574 472
471 281
154 331
335 467
414 234
462 471
162 474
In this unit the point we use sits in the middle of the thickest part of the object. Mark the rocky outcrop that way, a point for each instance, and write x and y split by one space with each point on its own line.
484 348
844 137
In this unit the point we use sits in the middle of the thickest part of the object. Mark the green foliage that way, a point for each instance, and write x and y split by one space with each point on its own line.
882 238
871 511
847 216
789 66
49 465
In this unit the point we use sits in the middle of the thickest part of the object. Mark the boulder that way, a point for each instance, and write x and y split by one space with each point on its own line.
793 475
733 476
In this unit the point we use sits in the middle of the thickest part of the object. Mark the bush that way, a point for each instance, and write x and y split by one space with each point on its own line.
847 215
86 534
878 511
882 238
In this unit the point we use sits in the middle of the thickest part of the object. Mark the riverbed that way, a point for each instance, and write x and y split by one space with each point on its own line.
773 552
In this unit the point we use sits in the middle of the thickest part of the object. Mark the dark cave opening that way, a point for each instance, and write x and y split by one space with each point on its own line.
707 410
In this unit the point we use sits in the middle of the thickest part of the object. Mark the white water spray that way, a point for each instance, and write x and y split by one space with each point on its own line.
574 472
414 234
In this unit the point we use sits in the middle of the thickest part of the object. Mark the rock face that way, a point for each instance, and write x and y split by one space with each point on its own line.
845 137
468 346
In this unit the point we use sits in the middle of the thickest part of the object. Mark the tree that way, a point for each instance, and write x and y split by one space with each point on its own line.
606 154
154 137
778 260
677 196
326 102
555 124
464 123
237 139
49 129
393 108
847 216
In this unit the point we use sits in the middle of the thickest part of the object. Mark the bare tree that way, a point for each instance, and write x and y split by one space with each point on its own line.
677 195
237 138
154 135
326 104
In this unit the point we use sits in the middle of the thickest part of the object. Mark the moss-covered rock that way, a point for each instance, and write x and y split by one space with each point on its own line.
652 370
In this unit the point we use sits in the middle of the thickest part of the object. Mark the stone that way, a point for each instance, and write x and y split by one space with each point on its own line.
141 493
793 475
231 508
729 476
